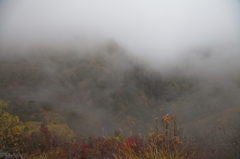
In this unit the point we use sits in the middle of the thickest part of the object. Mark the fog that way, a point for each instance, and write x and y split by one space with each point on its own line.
195 39
165 33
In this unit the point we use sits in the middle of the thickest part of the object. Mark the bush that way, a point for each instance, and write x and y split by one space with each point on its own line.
11 128
164 142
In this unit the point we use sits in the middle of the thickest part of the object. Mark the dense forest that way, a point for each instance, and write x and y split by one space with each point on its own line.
106 92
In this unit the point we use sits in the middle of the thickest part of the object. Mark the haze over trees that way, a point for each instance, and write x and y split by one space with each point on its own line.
85 69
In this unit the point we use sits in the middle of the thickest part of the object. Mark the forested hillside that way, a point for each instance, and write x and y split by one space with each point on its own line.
107 89
120 79
97 93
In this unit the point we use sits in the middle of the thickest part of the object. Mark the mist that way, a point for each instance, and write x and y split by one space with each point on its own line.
164 33
190 46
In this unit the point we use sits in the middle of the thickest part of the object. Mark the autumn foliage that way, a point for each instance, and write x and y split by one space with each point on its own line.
165 141
11 129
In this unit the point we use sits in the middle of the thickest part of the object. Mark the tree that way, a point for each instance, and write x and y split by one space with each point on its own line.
11 128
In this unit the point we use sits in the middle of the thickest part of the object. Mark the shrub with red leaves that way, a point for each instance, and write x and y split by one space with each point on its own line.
128 145
82 150
139 144
135 144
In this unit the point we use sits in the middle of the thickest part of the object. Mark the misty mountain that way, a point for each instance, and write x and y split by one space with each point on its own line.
92 68
108 89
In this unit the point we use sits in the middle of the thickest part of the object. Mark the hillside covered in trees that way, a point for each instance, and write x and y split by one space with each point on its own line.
106 90
120 79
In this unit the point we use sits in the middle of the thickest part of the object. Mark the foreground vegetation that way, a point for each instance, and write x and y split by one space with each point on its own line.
165 142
